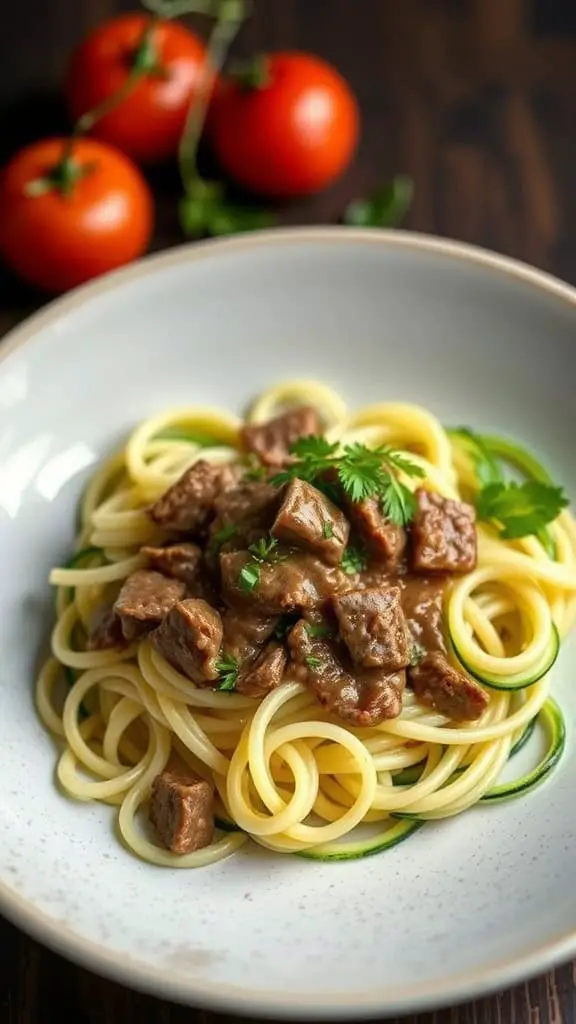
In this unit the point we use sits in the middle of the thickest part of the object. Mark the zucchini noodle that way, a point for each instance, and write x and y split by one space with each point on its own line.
287 775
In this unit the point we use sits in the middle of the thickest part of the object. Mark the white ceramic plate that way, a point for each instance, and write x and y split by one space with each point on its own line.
466 906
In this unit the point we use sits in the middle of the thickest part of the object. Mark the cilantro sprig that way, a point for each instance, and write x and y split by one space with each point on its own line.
228 669
362 472
263 551
516 509
520 509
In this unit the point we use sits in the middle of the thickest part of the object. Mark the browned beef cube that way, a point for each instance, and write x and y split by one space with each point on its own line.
423 606
265 673
309 520
146 597
373 627
106 631
244 514
245 632
443 534
436 683
272 441
189 503
384 539
190 638
181 810
180 561
363 697
296 581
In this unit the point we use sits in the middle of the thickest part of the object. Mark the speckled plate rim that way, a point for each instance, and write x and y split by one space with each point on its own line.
167 983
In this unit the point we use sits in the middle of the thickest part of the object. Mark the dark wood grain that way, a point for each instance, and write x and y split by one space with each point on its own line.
476 99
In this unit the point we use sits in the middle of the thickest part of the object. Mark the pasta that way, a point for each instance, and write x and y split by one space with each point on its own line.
289 775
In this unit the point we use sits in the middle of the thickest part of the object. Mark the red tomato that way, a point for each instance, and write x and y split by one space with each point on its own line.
148 123
290 136
58 238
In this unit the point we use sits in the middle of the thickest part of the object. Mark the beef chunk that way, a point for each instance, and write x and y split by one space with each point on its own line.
190 638
373 627
265 673
436 683
181 810
309 520
363 697
106 631
144 600
189 503
298 581
443 534
272 441
246 632
423 605
243 515
384 539
181 561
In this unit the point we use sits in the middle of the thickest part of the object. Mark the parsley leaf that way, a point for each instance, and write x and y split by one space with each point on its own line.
521 509
226 533
317 630
249 576
327 531
228 669
264 550
398 503
354 560
313 662
362 472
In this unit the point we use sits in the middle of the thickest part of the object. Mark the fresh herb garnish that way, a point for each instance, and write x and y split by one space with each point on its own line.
249 576
313 662
264 550
317 630
354 560
520 509
228 669
225 534
362 472
385 208
327 531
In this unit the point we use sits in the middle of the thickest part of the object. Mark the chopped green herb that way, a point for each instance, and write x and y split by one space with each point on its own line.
250 576
362 472
228 669
226 533
313 662
354 560
327 531
521 509
317 629
264 550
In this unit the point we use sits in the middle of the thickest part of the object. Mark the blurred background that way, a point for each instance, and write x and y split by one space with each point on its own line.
475 100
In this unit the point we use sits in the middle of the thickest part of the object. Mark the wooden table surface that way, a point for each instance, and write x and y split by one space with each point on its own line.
476 100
